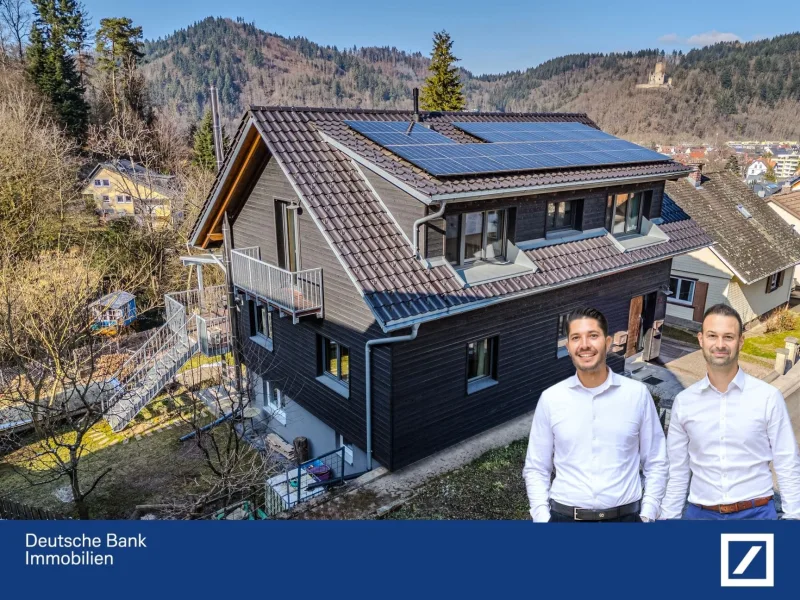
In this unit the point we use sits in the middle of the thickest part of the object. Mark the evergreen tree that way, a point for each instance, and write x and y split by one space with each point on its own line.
118 44
204 155
732 164
443 89
57 33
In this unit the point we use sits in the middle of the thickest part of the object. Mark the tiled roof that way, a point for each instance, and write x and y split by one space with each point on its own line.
371 247
754 247
789 201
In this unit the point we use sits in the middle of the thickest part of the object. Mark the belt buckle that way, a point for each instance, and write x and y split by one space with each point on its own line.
575 514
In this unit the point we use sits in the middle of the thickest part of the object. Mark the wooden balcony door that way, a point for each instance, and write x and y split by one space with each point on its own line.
287 231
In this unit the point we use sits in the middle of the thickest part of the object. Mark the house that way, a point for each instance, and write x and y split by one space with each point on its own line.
125 189
757 169
792 185
751 263
787 205
403 278
786 162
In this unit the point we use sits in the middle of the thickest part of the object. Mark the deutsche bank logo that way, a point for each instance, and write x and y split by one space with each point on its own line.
748 559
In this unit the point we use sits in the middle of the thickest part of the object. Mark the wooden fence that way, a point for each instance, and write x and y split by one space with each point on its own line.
22 512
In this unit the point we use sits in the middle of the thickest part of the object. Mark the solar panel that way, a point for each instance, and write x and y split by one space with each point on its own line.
513 146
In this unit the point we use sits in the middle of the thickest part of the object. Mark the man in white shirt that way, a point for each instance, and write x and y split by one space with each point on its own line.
597 428
724 430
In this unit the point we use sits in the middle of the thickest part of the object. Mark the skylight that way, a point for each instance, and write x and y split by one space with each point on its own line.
745 213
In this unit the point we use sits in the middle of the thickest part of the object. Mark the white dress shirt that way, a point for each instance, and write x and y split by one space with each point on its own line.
726 440
597 438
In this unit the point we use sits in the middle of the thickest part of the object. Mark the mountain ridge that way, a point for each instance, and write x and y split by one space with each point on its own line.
729 90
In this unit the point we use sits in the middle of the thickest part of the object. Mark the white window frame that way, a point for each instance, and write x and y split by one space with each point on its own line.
612 212
98 183
462 260
274 401
675 300
348 449
106 183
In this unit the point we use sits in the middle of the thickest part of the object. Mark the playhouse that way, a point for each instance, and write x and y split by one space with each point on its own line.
112 311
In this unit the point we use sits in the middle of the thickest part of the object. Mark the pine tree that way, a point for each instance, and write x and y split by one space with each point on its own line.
443 89
732 164
57 33
118 44
204 155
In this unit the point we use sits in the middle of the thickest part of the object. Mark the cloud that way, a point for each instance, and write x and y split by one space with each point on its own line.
706 38
712 37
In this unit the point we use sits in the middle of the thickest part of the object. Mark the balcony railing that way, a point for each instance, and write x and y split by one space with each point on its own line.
297 293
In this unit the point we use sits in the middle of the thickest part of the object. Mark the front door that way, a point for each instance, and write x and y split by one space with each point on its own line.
634 325
286 232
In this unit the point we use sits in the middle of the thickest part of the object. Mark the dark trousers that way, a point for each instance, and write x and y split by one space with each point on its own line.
559 518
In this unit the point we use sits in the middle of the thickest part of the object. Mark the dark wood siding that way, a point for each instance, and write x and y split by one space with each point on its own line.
348 320
530 212
431 407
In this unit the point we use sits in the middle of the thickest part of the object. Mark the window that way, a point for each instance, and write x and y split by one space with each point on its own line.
334 365
274 401
123 199
561 336
481 364
682 290
624 213
106 200
97 183
348 449
774 281
106 183
476 236
562 215
260 323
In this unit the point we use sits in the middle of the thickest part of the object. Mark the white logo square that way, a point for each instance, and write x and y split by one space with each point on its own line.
768 539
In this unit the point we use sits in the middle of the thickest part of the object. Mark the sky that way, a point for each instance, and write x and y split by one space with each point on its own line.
490 36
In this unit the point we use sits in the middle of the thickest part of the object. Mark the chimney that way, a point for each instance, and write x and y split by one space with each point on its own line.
416 104
696 176
216 128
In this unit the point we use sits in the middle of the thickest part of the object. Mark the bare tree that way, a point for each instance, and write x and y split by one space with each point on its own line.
15 22
55 376
238 461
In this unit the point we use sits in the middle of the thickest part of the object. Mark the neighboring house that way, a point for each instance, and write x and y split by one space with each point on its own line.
787 205
749 267
124 189
793 185
756 169
423 309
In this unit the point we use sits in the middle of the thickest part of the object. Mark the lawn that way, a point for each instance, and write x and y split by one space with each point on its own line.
149 466
490 487
765 345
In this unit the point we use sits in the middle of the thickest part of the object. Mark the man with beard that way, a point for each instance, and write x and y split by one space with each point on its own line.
724 431
597 428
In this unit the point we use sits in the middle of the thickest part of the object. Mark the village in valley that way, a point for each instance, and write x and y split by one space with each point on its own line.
245 276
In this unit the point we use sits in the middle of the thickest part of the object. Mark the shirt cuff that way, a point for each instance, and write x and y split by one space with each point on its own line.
649 510
540 514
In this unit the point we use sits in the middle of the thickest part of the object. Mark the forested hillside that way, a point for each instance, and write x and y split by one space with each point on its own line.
727 90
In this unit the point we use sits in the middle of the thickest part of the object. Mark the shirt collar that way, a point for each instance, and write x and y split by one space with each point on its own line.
738 381
611 380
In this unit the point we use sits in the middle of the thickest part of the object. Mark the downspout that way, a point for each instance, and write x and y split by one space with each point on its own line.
368 365
419 222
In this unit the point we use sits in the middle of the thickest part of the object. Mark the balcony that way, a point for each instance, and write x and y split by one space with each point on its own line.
297 293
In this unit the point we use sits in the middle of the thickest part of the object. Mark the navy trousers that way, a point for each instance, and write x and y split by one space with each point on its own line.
693 512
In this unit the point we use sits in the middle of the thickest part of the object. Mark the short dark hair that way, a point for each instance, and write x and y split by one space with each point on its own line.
586 312
725 311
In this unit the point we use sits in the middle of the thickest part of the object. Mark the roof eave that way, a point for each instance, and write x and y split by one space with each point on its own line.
462 308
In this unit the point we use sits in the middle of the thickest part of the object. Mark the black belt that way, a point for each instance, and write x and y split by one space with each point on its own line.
588 514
